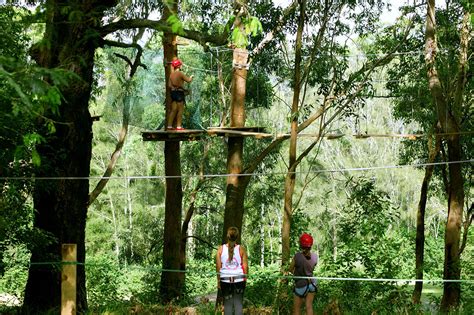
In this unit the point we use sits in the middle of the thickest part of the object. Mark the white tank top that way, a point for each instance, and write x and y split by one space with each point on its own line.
231 271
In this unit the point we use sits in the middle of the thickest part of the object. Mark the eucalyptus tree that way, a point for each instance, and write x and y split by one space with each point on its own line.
326 71
449 109
27 91
445 89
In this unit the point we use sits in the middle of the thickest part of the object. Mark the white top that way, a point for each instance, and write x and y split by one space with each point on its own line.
231 271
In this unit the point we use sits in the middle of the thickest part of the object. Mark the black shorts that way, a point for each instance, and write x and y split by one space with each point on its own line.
229 289
177 95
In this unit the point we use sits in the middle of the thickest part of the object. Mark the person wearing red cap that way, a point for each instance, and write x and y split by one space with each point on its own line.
302 266
176 85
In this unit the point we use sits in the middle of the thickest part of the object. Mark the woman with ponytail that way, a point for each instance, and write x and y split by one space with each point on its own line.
232 269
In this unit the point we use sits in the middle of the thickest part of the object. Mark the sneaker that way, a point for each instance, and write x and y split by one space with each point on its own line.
169 128
179 128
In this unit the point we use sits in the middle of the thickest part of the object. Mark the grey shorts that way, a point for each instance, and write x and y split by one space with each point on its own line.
303 291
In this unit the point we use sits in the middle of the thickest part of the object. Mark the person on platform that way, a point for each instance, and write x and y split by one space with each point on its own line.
232 270
302 266
178 92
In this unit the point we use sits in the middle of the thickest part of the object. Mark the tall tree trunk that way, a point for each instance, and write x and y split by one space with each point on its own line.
290 179
61 205
190 212
291 176
235 190
420 219
115 225
171 284
449 125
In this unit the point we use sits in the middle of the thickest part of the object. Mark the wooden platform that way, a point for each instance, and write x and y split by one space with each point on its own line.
196 134
173 135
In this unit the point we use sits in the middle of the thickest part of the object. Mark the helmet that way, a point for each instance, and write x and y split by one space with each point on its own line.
306 240
176 63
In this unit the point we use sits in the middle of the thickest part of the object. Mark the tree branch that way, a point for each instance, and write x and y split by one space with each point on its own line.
125 114
467 224
281 22
202 240
163 26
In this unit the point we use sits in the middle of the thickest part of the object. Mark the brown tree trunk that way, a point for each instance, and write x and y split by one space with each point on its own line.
449 125
61 205
291 176
290 179
190 211
172 282
235 190
420 220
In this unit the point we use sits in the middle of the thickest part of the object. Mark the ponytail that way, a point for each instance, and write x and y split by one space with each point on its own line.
232 236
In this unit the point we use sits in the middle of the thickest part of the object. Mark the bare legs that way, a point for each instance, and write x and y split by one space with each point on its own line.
308 300
175 114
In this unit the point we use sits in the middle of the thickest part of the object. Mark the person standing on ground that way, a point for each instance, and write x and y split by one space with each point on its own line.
178 92
302 265
232 269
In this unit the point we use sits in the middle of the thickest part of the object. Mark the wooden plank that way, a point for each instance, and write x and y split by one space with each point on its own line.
68 279
249 129
173 135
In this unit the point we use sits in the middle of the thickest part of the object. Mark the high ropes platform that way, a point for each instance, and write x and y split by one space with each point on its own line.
261 133
196 134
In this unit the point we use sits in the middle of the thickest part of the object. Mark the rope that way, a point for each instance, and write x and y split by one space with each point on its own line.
244 174
279 275
199 69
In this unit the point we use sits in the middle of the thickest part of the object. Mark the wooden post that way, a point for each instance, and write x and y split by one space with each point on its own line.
68 279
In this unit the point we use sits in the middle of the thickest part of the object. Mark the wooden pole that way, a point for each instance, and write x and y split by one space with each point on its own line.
68 279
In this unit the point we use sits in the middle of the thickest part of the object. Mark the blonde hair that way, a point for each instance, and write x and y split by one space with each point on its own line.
232 236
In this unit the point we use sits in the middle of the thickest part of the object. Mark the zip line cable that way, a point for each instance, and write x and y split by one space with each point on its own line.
354 169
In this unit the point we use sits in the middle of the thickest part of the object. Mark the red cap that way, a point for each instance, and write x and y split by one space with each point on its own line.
176 63
306 240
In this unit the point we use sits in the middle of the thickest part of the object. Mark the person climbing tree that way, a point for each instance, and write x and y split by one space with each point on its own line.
302 265
178 92
232 269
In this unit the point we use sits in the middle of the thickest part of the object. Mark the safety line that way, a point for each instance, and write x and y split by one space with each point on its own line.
199 69
354 169
281 276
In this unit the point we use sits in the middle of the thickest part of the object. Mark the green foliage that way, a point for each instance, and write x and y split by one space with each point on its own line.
370 240
251 26
176 24
262 285
15 266
201 278
102 274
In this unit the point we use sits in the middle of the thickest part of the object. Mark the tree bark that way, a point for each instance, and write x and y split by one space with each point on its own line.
235 190
420 219
291 176
190 212
61 205
172 282
450 126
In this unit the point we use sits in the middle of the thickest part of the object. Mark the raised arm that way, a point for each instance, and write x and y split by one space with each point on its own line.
186 78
